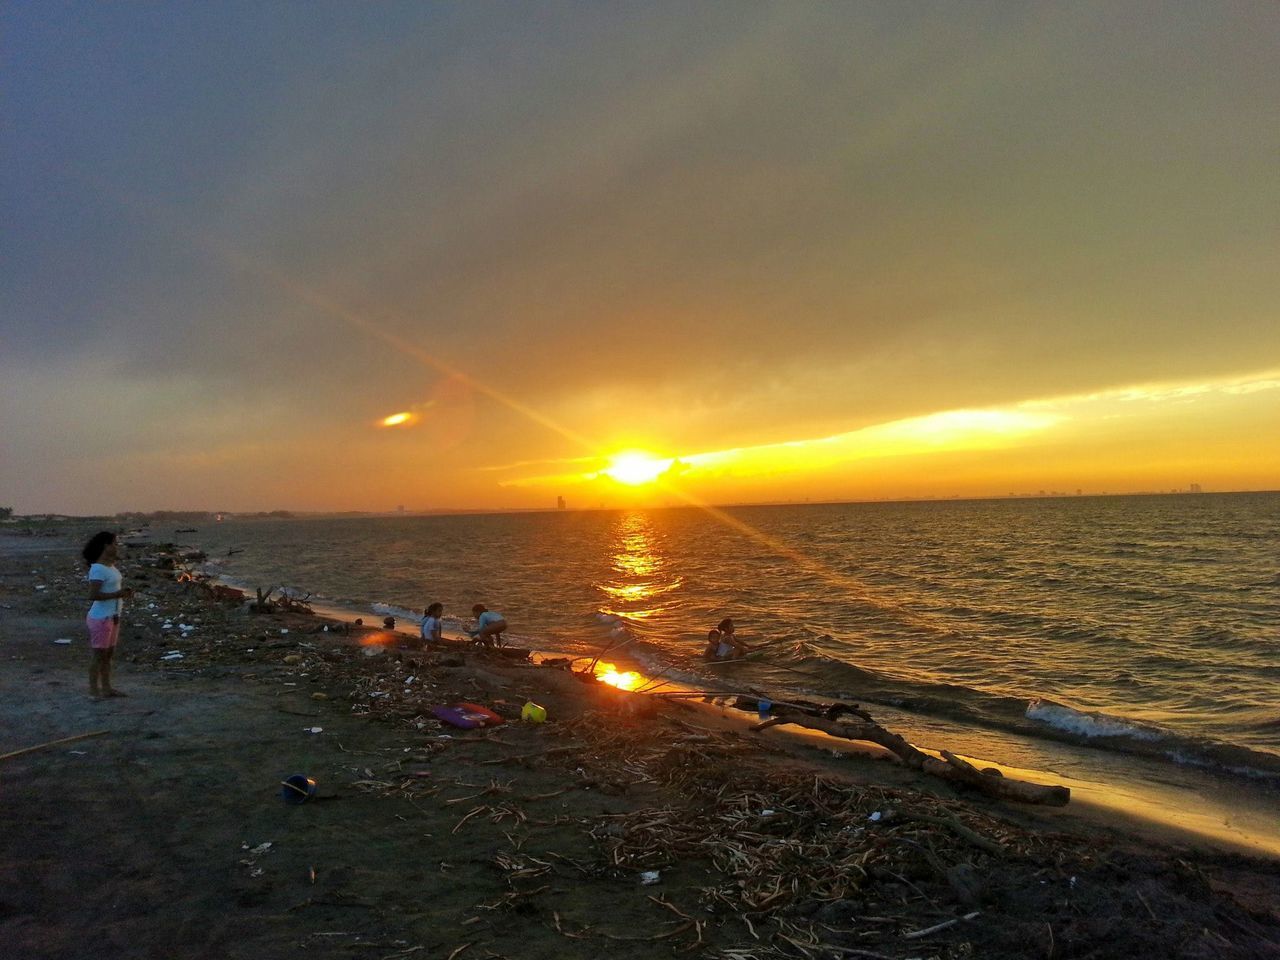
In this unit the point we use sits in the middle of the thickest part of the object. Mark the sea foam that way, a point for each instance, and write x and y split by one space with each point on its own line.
1087 724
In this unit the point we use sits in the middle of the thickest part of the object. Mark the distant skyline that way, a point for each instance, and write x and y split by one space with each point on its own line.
748 252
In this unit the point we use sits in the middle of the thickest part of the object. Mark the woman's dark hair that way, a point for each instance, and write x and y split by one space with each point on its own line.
434 610
97 543
725 624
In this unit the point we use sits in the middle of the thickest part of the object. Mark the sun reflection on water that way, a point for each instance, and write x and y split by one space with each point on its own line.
625 680
638 565
640 573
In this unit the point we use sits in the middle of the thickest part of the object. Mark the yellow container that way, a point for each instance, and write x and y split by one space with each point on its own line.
532 713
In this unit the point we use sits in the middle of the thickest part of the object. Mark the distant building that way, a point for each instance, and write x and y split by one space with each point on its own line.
559 503
400 509
1195 488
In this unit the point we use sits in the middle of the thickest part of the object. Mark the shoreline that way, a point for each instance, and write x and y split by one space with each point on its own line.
1238 820
590 785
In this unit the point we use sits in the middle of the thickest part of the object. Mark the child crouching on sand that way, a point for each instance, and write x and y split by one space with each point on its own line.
490 625
107 596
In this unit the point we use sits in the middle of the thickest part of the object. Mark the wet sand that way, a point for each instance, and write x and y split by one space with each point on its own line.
522 841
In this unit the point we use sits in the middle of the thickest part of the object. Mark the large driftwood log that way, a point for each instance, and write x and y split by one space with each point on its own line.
950 767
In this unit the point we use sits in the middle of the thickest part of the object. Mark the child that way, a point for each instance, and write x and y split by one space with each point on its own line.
431 618
723 643
490 625
103 619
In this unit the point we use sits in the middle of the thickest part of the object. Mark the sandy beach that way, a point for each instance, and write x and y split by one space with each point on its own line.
664 830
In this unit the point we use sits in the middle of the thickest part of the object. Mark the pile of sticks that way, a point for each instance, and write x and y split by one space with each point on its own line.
792 851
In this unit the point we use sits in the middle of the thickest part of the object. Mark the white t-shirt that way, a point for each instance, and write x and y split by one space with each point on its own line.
429 627
111 581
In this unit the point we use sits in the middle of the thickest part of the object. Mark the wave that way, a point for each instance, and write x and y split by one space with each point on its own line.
400 613
1088 724
1101 729
1034 717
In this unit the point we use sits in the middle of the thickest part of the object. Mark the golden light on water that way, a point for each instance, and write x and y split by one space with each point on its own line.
397 419
608 673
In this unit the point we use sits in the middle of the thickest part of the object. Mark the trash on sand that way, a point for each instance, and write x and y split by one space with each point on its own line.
875 817
175 655
298 788
533 713
63 640
467 716
649 878
313 729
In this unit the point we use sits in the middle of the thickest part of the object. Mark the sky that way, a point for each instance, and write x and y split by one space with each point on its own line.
634 253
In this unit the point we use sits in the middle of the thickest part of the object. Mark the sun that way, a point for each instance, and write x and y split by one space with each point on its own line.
634 469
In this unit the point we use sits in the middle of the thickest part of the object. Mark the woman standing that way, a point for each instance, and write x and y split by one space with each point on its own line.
104 613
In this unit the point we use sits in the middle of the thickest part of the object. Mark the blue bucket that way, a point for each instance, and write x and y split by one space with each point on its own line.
298 788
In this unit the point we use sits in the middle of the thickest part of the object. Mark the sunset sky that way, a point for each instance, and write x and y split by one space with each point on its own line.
775 251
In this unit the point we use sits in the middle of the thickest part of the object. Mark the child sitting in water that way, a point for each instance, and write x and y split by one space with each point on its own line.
723 643
431 618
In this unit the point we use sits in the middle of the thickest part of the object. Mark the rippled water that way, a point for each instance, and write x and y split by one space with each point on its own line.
1149 624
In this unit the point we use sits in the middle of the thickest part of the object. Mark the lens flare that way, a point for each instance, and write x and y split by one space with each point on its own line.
634 469
397 419
608 673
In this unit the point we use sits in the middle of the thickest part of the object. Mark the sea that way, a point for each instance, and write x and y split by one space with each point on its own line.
1128 641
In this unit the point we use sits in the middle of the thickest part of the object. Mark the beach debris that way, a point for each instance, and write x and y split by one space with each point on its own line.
53 743
949 767
533 713
313 729
649 877
298 788
467 716
263 603
63 640
173 655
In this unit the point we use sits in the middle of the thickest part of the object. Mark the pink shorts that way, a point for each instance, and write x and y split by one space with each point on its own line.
103 632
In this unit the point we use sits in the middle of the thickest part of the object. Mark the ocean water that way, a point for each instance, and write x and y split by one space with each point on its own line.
1124 625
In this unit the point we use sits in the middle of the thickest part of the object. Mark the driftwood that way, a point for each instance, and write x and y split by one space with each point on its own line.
53 743
950 767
